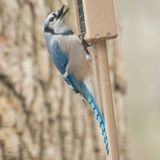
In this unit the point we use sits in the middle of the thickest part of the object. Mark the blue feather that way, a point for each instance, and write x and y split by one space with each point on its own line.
59 57
80 87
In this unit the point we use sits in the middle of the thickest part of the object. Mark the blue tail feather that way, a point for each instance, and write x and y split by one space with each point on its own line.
80 87
97 113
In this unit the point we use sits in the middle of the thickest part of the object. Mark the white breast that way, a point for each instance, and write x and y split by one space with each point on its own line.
79 64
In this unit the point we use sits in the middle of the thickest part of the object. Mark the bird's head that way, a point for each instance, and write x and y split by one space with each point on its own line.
54 21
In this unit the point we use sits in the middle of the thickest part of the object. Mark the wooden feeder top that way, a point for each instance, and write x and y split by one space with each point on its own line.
99 19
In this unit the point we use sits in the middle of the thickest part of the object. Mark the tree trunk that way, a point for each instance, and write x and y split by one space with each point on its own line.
40 117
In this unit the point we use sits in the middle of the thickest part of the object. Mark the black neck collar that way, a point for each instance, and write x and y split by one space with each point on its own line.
66 33
49 30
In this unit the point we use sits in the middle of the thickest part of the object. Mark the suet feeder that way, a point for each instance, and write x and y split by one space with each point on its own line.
96 21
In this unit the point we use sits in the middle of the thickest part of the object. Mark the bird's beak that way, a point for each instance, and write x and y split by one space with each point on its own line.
62 11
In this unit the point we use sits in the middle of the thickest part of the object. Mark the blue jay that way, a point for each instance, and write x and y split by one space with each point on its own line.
71 57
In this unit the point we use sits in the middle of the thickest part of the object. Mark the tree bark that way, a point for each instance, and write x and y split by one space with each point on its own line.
40 117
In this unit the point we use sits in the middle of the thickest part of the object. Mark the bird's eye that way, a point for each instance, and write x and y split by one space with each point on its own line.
54 15
51 19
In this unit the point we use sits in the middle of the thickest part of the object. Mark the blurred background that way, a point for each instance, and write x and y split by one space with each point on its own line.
40 117
140 51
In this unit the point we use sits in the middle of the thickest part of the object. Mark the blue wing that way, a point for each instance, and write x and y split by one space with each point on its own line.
59 57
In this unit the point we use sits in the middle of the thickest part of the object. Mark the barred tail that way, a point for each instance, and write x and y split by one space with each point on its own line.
81 88
97 113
